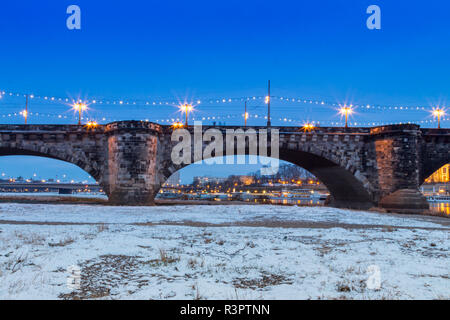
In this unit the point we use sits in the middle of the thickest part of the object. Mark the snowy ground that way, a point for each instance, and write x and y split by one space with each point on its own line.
220 252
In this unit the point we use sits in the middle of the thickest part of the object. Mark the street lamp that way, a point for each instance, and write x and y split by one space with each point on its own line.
25 115
308 127
346 111
25 112
267 101
92 125
438 113
245 114
80 107
186 108
177 125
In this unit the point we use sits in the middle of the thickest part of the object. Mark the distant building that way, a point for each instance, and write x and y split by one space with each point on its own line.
440 176
208 180
247 180
174 179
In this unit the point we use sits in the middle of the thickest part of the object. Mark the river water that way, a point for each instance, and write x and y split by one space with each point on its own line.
440 207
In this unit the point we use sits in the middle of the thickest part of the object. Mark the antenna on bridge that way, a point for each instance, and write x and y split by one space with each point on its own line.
268 106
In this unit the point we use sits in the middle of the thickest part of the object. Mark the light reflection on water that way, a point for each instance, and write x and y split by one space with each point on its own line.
302 202
437 207
440 207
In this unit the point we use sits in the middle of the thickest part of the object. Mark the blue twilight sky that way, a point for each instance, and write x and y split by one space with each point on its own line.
142 51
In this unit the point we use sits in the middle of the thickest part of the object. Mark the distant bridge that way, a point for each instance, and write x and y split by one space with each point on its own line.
361 167
23 186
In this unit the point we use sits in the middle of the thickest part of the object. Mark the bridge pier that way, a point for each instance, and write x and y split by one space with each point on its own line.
132 163
398 157
405 201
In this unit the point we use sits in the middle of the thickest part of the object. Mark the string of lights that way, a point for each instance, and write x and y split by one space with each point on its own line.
210 101
171 120
345 110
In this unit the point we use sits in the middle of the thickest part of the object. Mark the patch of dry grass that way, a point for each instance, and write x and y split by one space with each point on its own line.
102 227
194 263
63 242
16 262
196 294
264 281
351 286
164 259
31 238
99 275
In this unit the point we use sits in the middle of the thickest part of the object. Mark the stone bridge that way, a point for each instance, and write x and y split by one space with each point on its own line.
361 167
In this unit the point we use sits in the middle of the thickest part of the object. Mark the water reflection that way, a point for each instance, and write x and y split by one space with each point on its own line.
302 202
440 207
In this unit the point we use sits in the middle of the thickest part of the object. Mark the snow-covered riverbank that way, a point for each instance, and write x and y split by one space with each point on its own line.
220 252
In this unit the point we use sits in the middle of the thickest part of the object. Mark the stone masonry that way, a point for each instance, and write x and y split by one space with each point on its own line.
361 167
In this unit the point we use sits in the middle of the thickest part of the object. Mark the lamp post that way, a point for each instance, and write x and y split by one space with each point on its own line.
186 108
438 113
25 113
346 111
80 107
245 114
268 106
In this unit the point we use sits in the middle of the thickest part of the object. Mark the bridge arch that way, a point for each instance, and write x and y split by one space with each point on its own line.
77 159
248 177
347 188
440 175
431 167
434 152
